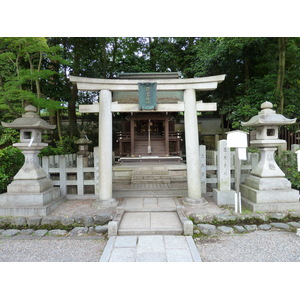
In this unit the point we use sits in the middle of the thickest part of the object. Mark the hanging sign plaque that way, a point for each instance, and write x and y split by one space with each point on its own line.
147 95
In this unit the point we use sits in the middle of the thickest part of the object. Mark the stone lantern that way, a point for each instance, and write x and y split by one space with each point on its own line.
266 188
31 193
83 147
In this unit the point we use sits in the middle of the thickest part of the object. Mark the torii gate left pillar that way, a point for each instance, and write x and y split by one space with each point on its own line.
105 150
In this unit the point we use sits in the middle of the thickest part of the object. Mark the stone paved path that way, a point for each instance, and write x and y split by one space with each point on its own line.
150 248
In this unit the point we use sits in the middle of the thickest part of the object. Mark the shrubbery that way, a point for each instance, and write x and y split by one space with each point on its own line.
11 161
66 146
287 161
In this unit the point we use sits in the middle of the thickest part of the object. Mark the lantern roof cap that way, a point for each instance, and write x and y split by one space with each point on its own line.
29 120
268 117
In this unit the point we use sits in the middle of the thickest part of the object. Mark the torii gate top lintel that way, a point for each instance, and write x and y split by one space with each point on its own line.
97 84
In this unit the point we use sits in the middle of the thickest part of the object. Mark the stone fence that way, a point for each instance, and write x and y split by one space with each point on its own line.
74 174
214 171
77 176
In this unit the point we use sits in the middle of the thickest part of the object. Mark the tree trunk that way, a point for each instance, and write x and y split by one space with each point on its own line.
72 111
282 42
58 122
247 72
73 131
152 44
114 54
104 58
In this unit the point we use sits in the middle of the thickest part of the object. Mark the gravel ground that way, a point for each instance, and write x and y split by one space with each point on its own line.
257 246
47 249
72 208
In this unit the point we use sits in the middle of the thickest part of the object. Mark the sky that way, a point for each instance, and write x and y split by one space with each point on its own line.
149 18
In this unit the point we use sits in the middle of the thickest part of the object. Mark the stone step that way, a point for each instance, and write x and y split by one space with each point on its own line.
150 177
150 181
150 232
149 186
147 193
150 223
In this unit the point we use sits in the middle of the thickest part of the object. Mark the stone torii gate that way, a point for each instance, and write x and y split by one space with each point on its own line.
189 106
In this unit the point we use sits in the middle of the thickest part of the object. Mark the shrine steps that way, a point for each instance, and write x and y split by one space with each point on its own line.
144 180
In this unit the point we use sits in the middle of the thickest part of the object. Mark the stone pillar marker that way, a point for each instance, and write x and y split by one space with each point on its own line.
192 149
202 149
31 193
105 151
223 194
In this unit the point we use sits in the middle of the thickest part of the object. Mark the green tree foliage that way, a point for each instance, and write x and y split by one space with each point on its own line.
21 63
37 69
11 161
287 161
254 74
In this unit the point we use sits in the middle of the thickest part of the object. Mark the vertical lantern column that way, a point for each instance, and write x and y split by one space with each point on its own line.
105 150
192 149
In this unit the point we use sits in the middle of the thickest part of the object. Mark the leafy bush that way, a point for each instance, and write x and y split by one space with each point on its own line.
66 146
287 161
11 161
8 136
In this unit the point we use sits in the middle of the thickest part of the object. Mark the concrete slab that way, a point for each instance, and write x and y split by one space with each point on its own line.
151 244
178 255
133 202
123 255
126 241
135 220
137 223
151 257
152 248
165 220
176 241
166 202
150 202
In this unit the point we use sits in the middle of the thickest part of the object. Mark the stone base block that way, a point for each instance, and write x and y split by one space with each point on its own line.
30 199
98 204
37 205
269 207
29 186
224 197
260 183
269 196
190 201
30 211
